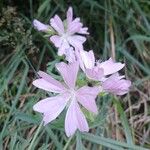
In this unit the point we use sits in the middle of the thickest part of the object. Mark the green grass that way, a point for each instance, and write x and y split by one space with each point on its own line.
123 122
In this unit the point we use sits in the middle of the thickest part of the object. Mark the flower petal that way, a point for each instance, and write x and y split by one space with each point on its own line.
76 41
86 96
116 85
57 24
69 72
79 59
48 83
79 38
40 26
95 73
56 40
110 66
69 15
70 55
51 107
83 30
88 59
64 46
74 27
75 119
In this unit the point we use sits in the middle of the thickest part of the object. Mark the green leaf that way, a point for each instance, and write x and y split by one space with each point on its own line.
116 145
100 141
79 145
124 122
27 118
138 37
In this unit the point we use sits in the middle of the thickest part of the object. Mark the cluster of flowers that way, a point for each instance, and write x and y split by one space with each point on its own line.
68 37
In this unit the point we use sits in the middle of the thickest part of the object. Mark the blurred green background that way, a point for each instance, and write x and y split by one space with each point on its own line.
118 28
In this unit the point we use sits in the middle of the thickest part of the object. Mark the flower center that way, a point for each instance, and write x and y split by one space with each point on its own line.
72 92
72 97
65 36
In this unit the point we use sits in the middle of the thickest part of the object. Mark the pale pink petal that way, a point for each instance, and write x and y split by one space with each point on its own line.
48 83
95 73
83 30
57 24
124 87
76 41
51 107
70 55
57 40
70 120
74 27
82 124
61 51
79 59
110 66
88 59
51 80
79 38
116 85
76 20
68 72
40 26
75 119
86 96
69 15
64 46
45 85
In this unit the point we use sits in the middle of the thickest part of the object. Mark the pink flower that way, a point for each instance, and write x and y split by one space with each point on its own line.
91 70
68 32
68 96
115 84
98 70
110 66
66 35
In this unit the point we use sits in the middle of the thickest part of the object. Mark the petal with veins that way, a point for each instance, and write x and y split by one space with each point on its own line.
64 46
75 119
69 15
116 85
79 59
51 80
95 73
69 73
88 59
57 41
57 24
110 66
40 26
83 30
51 107
70 55
76 41
86 96
48 83
74 28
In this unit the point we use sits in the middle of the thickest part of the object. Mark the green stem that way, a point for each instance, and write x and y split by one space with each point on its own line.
67 144
35 136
